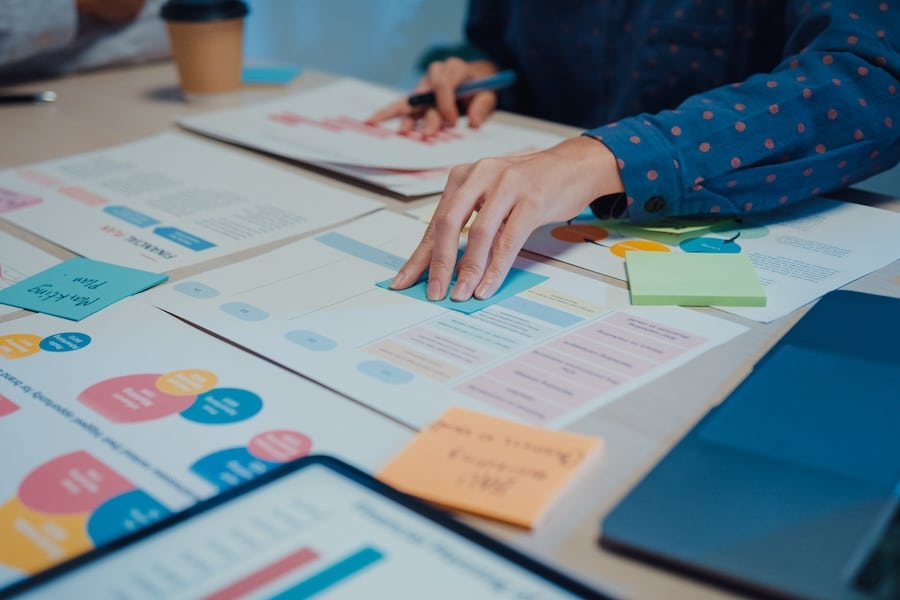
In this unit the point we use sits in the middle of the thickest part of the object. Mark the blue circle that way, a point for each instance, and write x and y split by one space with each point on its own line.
68 341
710 245
220 406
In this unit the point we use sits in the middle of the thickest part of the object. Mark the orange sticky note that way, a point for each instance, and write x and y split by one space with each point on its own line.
489 466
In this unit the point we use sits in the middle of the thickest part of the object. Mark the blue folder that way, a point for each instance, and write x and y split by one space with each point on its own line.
791 486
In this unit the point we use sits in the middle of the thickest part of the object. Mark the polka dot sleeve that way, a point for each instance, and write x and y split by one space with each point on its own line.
824 118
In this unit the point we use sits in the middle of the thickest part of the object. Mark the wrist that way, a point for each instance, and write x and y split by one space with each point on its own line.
595 162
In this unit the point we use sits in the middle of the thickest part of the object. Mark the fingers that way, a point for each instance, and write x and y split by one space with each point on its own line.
480 108
496 203
449 217
418 261
506 247
444 77
393 110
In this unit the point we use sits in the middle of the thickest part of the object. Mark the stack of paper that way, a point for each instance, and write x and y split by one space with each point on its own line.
326 127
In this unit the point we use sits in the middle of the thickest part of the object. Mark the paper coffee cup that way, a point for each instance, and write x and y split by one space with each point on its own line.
206 37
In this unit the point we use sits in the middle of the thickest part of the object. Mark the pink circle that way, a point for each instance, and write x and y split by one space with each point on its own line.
281 445
71 484
133 398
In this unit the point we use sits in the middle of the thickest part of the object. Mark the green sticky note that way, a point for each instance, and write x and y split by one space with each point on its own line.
693 279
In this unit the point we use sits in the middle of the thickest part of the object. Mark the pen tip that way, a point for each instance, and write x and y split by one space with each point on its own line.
47 96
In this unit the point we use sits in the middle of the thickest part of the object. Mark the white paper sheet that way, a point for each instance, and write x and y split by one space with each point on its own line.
132 393
547 355
800 252
18 261
326 126
168 201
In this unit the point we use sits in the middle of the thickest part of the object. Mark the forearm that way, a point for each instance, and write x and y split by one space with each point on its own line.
824 118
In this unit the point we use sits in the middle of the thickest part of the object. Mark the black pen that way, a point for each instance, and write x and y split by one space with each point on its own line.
494 82
28 98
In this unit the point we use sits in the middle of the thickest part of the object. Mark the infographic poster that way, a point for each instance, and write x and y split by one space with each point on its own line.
546 355
131 414
148 206
800 252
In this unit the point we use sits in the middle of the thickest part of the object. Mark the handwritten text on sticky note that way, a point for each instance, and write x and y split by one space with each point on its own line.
489 466
78 287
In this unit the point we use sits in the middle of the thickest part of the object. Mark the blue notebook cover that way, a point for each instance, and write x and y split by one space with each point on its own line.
788 486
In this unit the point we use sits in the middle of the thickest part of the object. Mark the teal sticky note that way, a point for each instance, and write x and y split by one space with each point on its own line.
517 281
78 287
693 279
268 74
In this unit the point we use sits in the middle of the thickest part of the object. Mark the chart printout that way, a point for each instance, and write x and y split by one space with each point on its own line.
129 415
168 201
545 356
800 252
327 125
18 261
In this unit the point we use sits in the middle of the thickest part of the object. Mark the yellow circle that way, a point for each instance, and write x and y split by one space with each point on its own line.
33 541
622 247
186 382
19 345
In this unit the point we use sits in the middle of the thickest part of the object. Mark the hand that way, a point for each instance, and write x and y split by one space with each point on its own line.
443 78
513 196
111 11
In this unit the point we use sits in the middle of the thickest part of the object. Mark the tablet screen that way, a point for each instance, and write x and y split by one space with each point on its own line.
313 531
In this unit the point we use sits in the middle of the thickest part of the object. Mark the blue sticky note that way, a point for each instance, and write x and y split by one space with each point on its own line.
517 281
78 287
269 74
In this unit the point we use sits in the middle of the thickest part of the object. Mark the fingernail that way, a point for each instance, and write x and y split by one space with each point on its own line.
485 290
398 281
462 291
433 292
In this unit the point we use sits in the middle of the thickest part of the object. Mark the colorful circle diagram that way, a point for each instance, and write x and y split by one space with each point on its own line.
67 506
232 466
20 345
189 392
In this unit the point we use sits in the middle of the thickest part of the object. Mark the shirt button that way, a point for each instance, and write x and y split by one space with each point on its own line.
654 204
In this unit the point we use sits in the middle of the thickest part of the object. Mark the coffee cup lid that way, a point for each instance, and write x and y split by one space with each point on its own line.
203 10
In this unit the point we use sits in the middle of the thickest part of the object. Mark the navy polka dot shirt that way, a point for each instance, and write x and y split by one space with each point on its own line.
710 106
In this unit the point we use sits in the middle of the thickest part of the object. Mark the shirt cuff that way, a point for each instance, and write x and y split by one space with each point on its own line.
648 167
